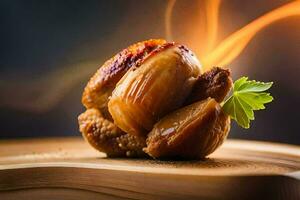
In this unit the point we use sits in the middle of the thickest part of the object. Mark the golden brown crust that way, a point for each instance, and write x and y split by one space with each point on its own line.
100 86
215 83
106 137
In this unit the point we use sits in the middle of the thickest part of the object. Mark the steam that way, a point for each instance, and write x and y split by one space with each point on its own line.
42 94
168 19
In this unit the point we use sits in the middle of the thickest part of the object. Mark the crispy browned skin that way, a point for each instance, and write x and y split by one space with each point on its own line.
95 124
103 82
215 83
106 137
191 132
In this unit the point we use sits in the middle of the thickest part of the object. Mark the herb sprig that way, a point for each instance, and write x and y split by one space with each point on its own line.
247 96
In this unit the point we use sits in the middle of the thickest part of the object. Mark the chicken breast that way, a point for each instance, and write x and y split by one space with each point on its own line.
159 85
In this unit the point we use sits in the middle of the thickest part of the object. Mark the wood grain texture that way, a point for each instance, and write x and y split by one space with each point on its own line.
70 168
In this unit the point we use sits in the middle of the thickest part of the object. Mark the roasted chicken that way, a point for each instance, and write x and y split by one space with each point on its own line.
153 99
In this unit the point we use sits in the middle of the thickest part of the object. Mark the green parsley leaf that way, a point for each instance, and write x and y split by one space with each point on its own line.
247 96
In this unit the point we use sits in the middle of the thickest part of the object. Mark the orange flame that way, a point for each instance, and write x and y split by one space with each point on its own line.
232 46
212 18
207 32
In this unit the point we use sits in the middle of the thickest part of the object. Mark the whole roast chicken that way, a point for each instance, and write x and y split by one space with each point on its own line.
153 99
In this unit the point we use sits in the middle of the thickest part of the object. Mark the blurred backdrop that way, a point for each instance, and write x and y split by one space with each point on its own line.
50 48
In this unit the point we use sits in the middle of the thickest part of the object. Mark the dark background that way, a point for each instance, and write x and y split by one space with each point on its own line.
49 49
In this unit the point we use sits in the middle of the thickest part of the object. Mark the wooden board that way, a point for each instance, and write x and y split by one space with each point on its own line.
70 168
